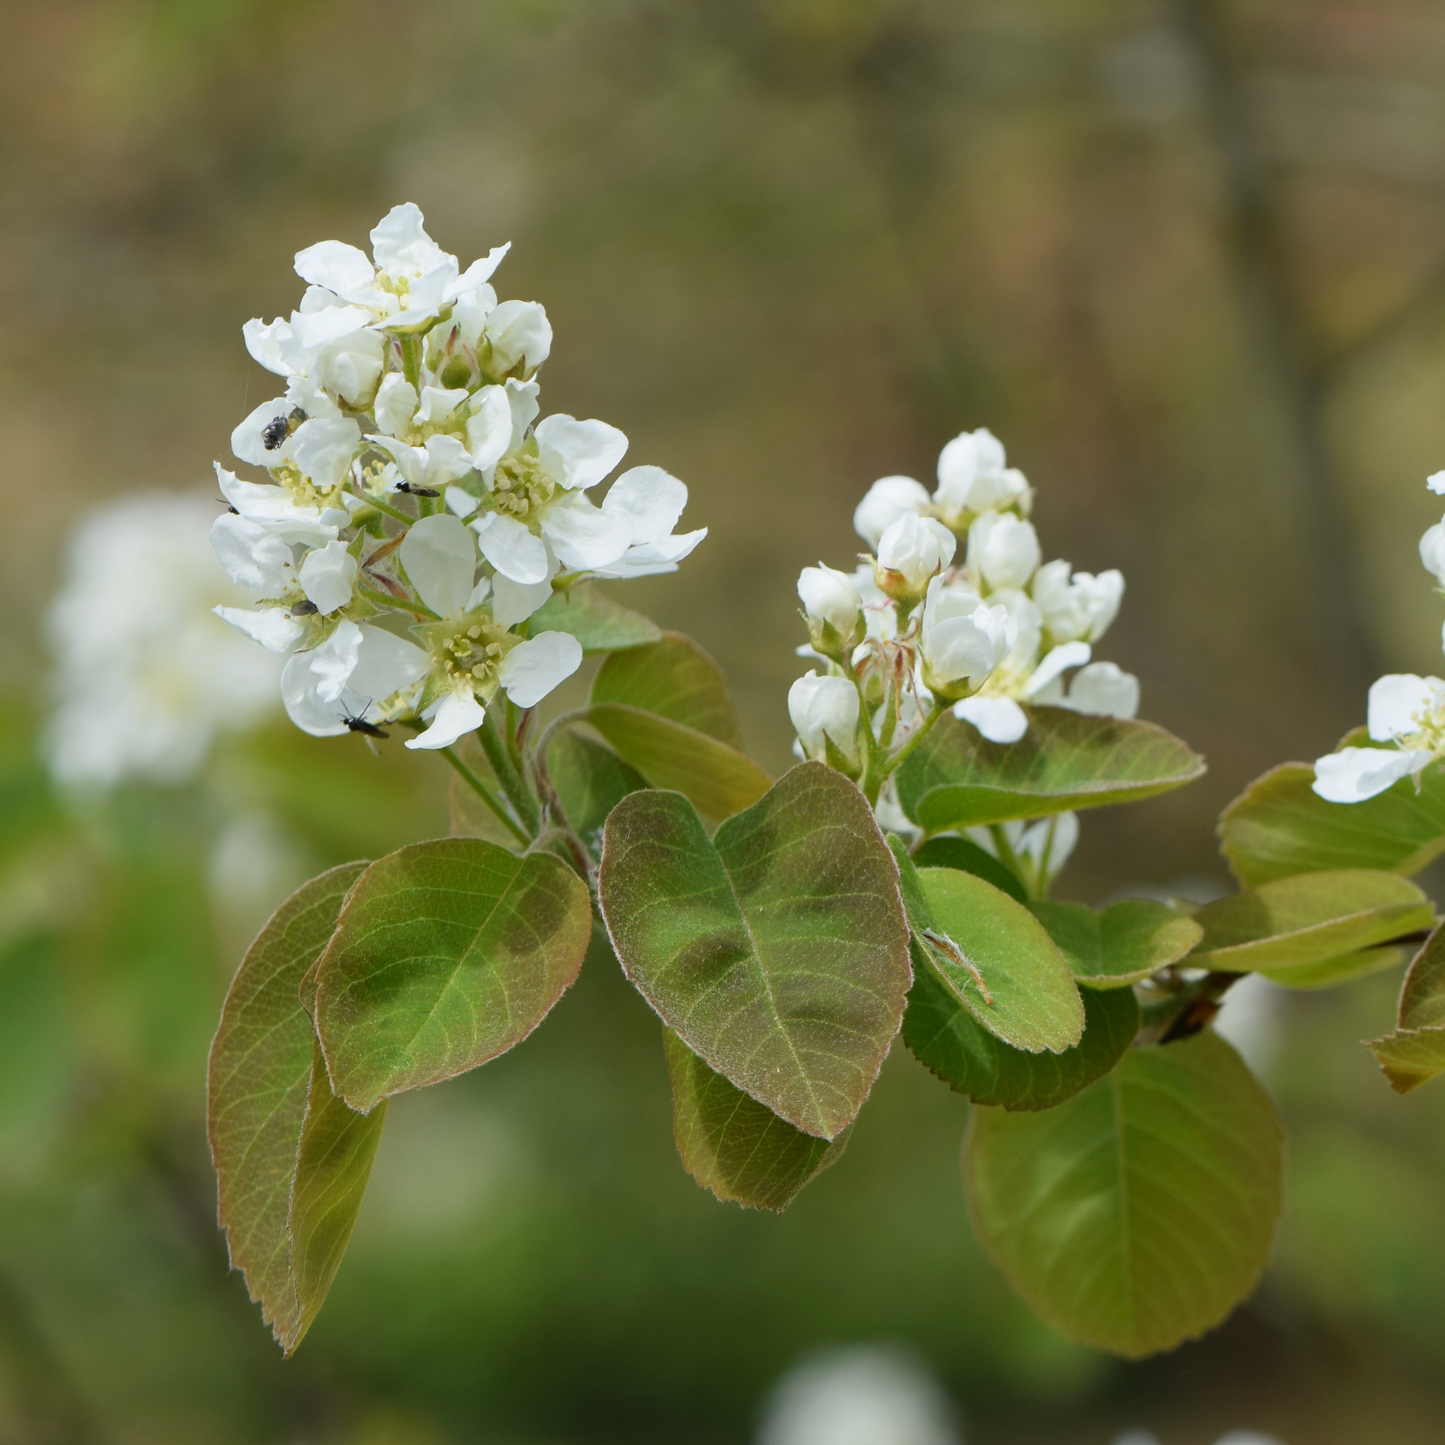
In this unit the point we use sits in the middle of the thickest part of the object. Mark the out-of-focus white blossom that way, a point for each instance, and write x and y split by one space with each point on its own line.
1003 549
1077 608
886 500
963 639
833 608
972 478
1041 848
145 677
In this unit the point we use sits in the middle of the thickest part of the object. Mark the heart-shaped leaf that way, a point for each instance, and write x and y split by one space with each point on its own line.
1140 1212
946 1039
1296 921
964 854
1279 827
597 622
1023 992
777 951
732 1144
1066 761
1415 1052
267 1105
1128 941
446 955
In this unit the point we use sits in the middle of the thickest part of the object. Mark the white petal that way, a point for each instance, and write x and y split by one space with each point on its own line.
253 555
411 462
1103 689
328 575
399 241
489 428
1067 654
513 602
395 403
324 449
532 669
438 403
325 328
649 500
1398 701
1436 483
446 460
578 454
885 499
584 536
272 627
519 332
334 661
303 706
268 344
336 266
441 561
459 714
999 719
478 273
460 501
511 548
246 441
385 664
653 558
522 398
1354 774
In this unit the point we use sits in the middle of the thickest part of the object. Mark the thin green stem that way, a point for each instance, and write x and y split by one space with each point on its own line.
939 708
411 357
406 604
1011 859
385 507
485 794
518 794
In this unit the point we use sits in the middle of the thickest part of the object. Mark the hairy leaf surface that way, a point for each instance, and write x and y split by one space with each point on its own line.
447 954
965 855
946 1039
597 622
1297 921
733 1145
777 951
1128 941
261 1091
957 778
1140 1212
1415 1052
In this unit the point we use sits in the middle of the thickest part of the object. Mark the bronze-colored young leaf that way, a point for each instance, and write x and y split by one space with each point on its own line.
1027 996
1066 761
1415 1052
734 1145
946 1039
447 954
597 622
1422 994
1301 920
1128 941
1279 827
673 678
1140 1212
259 1082
777 951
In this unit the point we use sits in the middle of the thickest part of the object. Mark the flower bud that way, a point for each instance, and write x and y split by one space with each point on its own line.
972 477
963 641
1003 549
911 552
1432 552
885 500
1078 608
833 608
824 708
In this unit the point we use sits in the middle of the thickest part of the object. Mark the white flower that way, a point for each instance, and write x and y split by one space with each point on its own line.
1102 689
880 507
1432 549
439 461
273 510
1436 483
327 576
1080 608
963 639
1404 709
327 344
412 280
1354 774
519 337
1003 549
825 707
972 477
830 596
354 671
1402 705
999 717
911 552
648 502
1042 847
144 676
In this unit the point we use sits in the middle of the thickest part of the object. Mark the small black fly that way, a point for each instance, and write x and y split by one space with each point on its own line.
274 433
358 724
412 491
305 608
228 506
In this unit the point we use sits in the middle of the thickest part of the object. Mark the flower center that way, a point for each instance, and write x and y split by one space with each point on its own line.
470 652
521 487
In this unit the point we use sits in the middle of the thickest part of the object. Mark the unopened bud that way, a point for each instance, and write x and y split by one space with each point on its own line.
833 608
911 553
824 709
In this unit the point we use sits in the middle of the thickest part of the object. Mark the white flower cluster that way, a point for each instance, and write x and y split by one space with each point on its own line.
409 385
1405 714
909 628
144 676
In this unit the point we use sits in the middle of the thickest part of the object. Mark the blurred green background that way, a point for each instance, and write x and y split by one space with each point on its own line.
1187 260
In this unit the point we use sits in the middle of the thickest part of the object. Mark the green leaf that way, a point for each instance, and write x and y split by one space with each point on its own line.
1279 827
597 622
673 678
777 951
1128 941
262 1091
1302 920
968 1058
719 780
446 955
1415 1052
1140 1212
957 778
590 780
468 815
732 1144
1032 1000
1343 968
965 855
